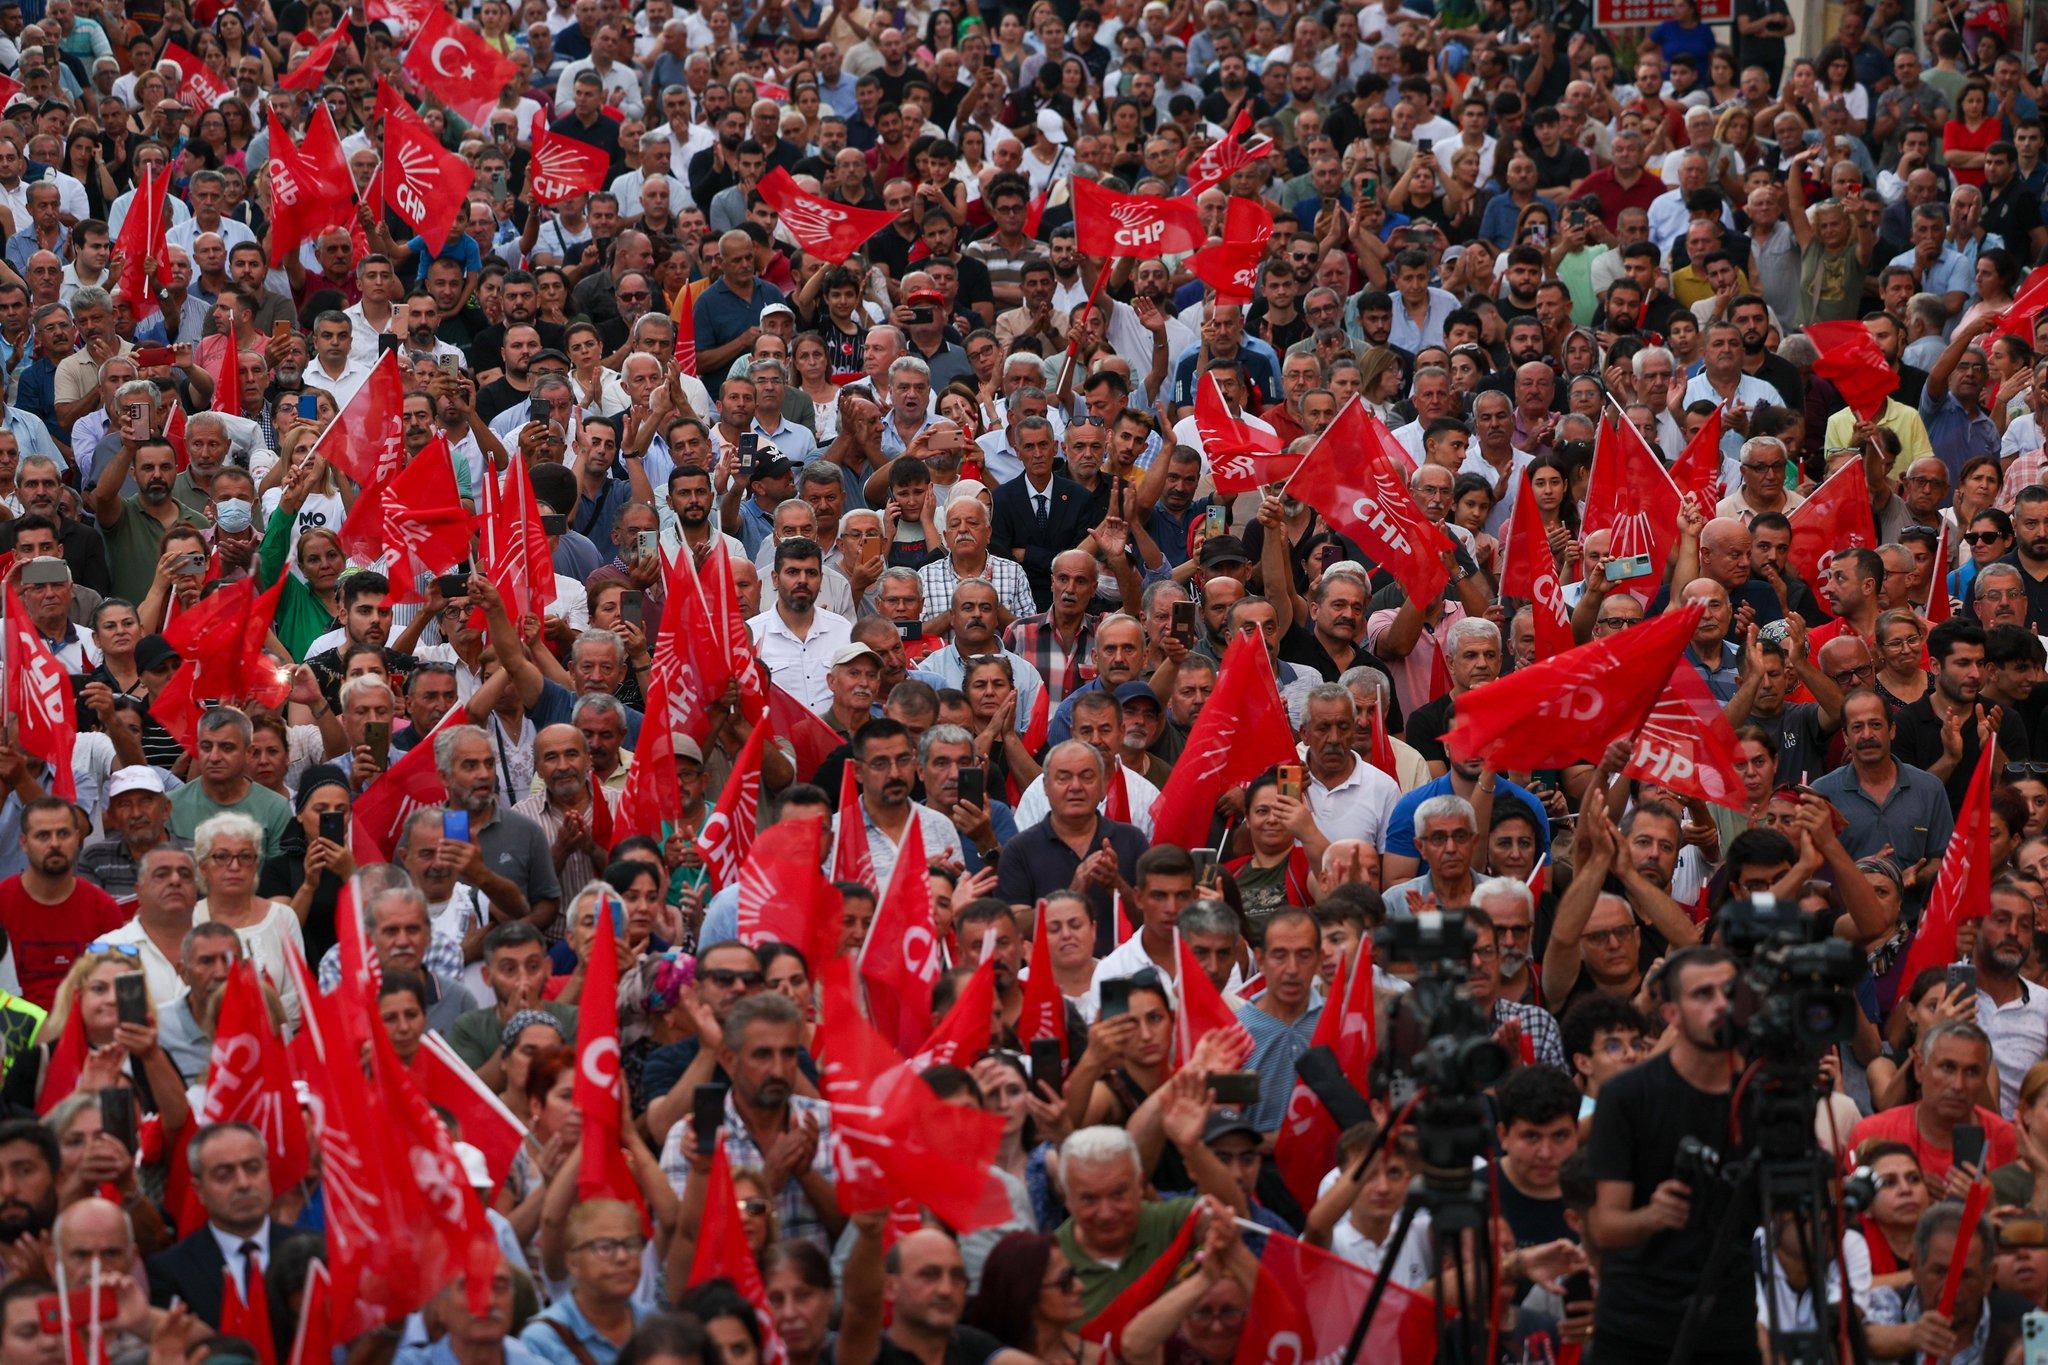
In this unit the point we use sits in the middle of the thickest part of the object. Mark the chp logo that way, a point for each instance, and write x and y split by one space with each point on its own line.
1139 226
811 219
416 169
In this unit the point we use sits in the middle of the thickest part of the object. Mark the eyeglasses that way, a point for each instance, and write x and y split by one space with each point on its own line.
223 858
124 949
726 976
1864 673
1610 938
610 1248
1064 1281
1617 622
1486 954
1982 537
2001 594
1928 480
1764 466
1440 837
2015 772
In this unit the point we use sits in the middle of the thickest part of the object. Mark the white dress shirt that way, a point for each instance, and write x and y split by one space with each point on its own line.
799 666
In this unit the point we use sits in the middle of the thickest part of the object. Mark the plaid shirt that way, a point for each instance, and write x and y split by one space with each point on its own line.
2030 467
1538 1027
1013 589
793 1211
443 958
1064 669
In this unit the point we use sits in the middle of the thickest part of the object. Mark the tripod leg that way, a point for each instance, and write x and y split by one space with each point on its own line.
1402 1225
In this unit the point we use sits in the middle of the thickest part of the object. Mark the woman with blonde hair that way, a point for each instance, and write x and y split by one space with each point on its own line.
101 1052
229 850
1374 386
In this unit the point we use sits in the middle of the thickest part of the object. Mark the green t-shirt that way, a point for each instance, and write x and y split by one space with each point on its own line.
1159 1222
132 543
191 807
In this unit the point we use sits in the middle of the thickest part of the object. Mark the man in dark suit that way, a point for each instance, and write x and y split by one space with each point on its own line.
231 1172
1037 514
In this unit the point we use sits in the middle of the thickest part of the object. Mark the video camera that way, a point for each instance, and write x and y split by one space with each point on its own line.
1798 992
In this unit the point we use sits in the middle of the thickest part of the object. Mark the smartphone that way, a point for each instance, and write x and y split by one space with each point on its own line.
750 444
974 786
1962 974
1116 997
387 342
1967 1144
280 329
1578 1287
631 606
539 410
147 357
377 735
1370 187
192 563
1290 780
500 187
1207 866
553 523
1184 621
453 586
1624 567
648 544
135 421
50 1310
707 1116
131 998
1213 520
923 317
1236 1089
1424 146
309 407
117 1112
1046 1063
1578 218
334 827
455 825
1320 1072
2033 1338
911 630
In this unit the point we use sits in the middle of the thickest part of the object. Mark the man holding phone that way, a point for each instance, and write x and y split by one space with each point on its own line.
133 526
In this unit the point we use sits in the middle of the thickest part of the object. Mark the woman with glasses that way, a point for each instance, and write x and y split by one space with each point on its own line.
1030 1300
588 1324
1201 1319
1990 533
229 849
85 1048
1901 646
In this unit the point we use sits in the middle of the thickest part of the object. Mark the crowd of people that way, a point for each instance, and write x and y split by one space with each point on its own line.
959 493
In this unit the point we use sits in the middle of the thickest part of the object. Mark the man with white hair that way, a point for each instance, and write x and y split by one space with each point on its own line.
1113 1234
1446 833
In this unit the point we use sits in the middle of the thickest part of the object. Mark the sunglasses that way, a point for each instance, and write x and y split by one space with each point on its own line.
1982 537
754 1208
726 976
1064 1281
2016 772
124 949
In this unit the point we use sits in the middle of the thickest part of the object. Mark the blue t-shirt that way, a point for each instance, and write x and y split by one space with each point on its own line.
1400 836
460 246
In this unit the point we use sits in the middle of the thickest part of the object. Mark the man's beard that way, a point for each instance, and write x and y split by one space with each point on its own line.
19 1220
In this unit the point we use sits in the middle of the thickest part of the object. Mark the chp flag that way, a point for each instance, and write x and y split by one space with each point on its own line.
1108 225
822 228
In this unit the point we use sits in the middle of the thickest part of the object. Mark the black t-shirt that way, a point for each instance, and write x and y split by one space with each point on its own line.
486 349
968 1346
1643 1289
498 395
1567 167
1426 726
1535 1221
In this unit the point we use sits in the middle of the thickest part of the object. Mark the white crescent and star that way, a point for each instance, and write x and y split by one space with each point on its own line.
434 57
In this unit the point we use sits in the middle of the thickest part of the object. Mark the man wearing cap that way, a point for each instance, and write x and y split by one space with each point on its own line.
853 681
46 592
922 318
137 819
748 508
133 526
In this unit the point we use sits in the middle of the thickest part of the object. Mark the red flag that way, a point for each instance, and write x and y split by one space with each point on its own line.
1040 725
813 740
1241 457
686 335
1112 225
822 228
323 159
1529 571
1231 267
141 242
250 1319
1383 756
515 548
727 834
366 439
964 1031
1959 1254
313 1342
221 643
464 72
1221 158
199 88
1202 1008
67 1063
308 74
414 523
1034 214
1307 1140
1698 470
851 859
784 898
1368 500
405 16
1572 706
1835 517
900 960
485 1122
227 378
38 698
250 1077
564 167
1962 889
1630 494
1937 587
297 198
1045 1007
2017 320
678 697
1850 360
722 604
1116 802
1106 1328
604 1173
893 1138
423 182
1313 1300
1241 732
409 784
1687 743
722 1251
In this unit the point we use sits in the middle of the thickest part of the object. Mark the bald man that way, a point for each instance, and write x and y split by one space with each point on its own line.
1722 553
1711 651
728 315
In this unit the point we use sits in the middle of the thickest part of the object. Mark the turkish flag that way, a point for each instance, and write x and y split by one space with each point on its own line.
1383 756
722 1252
1351 477
1116 802
784 897
726 835
38 698
1241 457
142 241
247 1318
604 1173
485 1122
1687 743
893 1139
1835 517
464 72
250 1077
1241 732
1109 225
409 784
516 556
2017 319
1630 494
1529 571
1571 707
366 439
1937 587
964 1031
1307 1141
900 960
198 88
1222 158
1698 468
829 231
308 74
313 1341
1231 267
423 182
564 167
1313 1300
413 523
226 370
1202 1008
1962 889
1851 360
851 859
813 740
1106 1328
1045 1008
